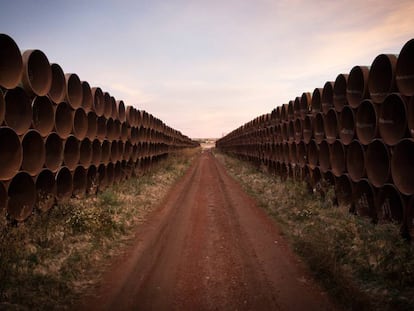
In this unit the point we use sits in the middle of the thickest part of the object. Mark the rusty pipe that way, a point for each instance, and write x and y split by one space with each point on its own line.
355 160
318 128
393 119
11 153
404 72
98 101
307 129
290 113
96 152
298 131
381 78
45 190
53 152
305 104
64 117
106 152
18 113
110 174
114 110
301 154
402 166
87 98
377 163
3 197
110 129
117 172
57 90
74 90
120 106
37 73
316 100
92 180
343 189
339 92
338 158
11 63
347 125
79 181
366 122
108 105
64 184
71 152
85 152
21 196
43 115
330 122
313 154
357 86
34 153
102 178
2 107
92 125
291 131
80 124
101 128
327 96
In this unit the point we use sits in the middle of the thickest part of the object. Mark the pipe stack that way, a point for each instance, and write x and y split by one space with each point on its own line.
60 137
356 133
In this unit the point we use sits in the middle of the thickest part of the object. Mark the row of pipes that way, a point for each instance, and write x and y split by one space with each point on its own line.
356 133
61 137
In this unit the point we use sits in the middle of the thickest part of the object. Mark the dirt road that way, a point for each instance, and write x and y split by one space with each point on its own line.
208 247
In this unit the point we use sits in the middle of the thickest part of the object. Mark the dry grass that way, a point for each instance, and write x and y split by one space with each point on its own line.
365 266
52 259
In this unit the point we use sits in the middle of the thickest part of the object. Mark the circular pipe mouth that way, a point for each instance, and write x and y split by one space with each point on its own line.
357 86
53 152
92 180
296 108
2 107
120 106
117 172
121 150
330 122
45 190
11 63
381 79
129 116
18 114
117 129
114 152
305 104
298 131
22 196
393 119
324 157
43 119
377 163
87 99
405 69
96 152
402 166
57 90
128 151
313 154
114 110
338 158
92 125
390 204
102 179
343 189
110 174
283 112
80 124
98 101
327 96
34 153
355 161
285 149
110 129
318 128
347 125
290 113
134 154
106 152
290 132
71 152
74 90
85 156
364 198
108 105
64 184
79 181
64 119
101 128
37 73
339 92
11 153
317 100
292 154
366 122
3 197
301 154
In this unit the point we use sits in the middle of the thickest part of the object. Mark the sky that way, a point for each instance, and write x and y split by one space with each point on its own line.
207 67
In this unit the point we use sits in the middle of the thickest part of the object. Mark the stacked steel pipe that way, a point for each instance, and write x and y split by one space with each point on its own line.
356 133
59 137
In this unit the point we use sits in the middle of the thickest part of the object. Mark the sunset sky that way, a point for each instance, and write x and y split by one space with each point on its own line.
207 67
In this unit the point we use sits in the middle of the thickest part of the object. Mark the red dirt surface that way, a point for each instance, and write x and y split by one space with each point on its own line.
208 247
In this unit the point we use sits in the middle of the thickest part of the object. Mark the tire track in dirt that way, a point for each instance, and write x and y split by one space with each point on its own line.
208 247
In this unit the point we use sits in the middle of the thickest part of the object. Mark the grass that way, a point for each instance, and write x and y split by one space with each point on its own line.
364 266
51 260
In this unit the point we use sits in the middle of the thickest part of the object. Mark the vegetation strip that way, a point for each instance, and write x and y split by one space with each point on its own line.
364 266
52 259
